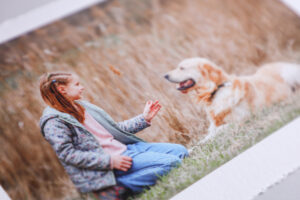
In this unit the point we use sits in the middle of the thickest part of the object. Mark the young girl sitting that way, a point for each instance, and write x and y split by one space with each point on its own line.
99 154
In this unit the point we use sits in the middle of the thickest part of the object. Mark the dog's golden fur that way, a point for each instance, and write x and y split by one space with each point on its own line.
232 98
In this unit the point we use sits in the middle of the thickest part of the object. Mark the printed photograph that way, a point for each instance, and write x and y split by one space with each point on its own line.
139 99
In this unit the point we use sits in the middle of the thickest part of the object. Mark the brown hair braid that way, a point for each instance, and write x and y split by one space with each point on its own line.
52 97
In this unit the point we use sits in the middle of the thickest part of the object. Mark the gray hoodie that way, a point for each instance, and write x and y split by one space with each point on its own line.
79 151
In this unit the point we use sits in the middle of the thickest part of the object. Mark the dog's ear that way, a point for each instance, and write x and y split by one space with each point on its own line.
214 73
202 70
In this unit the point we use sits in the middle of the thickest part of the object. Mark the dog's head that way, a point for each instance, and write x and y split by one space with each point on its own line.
198 74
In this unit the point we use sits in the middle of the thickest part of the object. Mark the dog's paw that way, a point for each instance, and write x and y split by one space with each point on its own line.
207 138
221 128
213 131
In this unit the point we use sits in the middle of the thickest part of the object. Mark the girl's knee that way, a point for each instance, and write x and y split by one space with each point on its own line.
173 161
181 151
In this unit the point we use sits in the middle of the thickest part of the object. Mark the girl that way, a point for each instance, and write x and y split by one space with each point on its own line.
100 155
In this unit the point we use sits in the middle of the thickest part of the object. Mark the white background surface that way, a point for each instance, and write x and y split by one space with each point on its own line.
288 189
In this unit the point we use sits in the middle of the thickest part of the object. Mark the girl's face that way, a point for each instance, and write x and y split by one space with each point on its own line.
73 90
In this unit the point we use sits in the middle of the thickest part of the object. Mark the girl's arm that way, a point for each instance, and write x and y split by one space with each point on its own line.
141 121
59 134
134 124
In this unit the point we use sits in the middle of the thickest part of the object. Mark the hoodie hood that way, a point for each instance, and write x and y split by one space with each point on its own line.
50 113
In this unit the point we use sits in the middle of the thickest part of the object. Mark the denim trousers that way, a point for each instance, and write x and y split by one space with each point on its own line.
149 162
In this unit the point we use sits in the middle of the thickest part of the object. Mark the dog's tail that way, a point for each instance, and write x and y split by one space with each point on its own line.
291 75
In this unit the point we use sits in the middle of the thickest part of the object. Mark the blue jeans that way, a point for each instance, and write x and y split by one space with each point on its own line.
149 161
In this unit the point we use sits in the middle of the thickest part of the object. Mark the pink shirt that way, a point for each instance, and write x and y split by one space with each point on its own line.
106 140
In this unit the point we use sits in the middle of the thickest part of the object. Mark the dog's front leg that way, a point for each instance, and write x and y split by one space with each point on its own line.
212 129
221 128
211 132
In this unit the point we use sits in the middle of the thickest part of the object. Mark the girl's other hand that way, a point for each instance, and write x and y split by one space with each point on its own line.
122 163
151 110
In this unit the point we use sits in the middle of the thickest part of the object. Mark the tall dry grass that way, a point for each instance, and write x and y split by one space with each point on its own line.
121 49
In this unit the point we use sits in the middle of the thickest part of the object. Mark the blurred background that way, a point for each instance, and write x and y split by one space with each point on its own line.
121 49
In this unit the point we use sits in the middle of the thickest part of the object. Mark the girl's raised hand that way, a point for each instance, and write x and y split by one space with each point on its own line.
151 110
122 163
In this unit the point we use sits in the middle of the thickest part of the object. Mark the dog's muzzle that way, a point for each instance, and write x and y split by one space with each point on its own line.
184 85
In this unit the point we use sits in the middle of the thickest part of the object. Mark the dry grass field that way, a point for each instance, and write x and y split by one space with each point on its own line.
121 50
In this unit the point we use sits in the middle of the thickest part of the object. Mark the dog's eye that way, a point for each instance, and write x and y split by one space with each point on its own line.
181 68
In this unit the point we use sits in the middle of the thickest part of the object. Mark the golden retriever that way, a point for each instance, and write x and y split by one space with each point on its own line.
232 98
